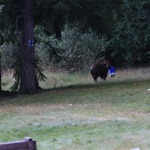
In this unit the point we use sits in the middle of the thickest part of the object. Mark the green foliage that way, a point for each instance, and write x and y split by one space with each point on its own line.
75 52
7 51
8 19
81 50
17 68
131 34
46 48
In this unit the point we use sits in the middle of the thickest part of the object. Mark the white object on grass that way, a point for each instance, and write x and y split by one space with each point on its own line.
135 148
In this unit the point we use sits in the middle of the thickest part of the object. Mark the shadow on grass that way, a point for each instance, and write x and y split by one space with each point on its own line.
4 95
104 84
7 94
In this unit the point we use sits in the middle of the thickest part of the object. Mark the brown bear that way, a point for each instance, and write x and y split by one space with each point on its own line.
100 70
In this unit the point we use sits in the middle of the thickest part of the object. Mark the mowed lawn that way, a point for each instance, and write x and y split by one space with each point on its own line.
75 113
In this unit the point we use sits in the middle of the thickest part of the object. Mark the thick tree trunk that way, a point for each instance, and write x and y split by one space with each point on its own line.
28 54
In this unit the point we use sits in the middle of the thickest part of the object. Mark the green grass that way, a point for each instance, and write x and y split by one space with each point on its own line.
79 114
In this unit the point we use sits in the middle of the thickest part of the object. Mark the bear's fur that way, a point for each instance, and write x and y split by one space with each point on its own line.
100 70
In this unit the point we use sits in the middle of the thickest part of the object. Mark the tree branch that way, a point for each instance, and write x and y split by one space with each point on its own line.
20 40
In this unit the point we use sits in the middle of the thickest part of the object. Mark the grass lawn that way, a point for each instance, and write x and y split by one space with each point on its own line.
74 113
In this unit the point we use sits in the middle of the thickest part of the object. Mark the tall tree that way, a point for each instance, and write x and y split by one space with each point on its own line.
28 54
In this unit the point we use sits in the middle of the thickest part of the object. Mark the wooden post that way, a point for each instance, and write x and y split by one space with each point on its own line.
34 145
31 143
27 144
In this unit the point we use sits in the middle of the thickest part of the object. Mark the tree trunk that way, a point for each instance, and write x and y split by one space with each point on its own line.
28 54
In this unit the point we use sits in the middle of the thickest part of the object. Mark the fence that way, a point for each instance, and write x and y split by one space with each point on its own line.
27 144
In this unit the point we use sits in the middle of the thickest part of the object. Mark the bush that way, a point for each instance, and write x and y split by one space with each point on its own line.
76 50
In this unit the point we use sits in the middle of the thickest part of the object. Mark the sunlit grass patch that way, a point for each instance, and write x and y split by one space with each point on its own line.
105 134
61 79
133 73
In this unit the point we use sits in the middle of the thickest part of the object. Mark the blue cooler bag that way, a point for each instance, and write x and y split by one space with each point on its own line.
112 72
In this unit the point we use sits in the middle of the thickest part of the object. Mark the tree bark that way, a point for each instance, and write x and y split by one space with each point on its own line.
28 54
